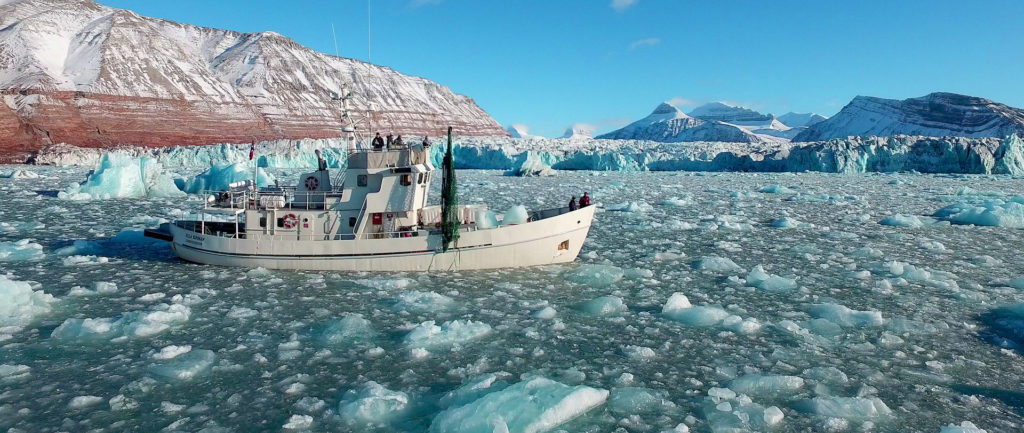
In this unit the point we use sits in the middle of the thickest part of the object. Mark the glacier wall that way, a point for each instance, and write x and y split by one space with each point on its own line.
850 155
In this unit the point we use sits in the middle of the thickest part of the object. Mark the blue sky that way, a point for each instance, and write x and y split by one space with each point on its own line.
551 63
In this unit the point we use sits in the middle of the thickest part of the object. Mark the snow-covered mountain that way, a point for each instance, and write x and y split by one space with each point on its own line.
579 131
797 120
79 72
518 130
668 123
933 115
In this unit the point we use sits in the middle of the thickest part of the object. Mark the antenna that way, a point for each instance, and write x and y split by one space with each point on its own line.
369 59
335 35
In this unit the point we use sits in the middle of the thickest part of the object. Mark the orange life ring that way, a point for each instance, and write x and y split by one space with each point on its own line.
290 221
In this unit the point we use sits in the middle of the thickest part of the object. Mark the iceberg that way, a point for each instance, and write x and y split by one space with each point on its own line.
428 335
20 251
850 408
219 178
19 305
120 176
997 213
531 406
372 404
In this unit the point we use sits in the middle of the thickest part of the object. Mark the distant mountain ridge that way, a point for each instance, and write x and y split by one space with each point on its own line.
78 72
937 114
710 122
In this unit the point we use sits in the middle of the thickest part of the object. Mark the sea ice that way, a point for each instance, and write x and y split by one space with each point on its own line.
187 366
995 212
716 264
912 221
372 404
849 408
22 250
844 316
14 373
132 324
596 275
637 400
351 329
19 304
421 302
84 401
964 427
603 306
472 390
531 406
427 335
770 282
766 385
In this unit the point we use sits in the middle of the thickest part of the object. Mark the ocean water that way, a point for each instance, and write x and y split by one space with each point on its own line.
699 303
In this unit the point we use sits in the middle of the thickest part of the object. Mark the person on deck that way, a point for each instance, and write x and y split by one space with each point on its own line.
398 142
378 142
585 200
391 140
572 204
426 142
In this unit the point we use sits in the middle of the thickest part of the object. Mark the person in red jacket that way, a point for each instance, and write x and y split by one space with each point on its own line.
585 200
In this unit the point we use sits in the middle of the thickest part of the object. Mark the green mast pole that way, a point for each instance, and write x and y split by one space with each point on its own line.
449 200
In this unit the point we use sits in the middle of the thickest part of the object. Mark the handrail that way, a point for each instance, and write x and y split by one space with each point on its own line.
361 216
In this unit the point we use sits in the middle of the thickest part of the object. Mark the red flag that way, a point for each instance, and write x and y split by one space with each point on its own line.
252 150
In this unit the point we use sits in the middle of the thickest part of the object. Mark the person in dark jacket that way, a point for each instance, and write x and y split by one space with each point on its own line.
426 142
585 200
378 142
572 204
321 163
398 142
391 140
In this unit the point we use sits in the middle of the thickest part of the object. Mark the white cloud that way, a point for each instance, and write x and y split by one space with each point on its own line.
680 101
646 42
621 5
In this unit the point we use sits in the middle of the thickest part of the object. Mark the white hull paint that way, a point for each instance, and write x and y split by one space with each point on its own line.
531 244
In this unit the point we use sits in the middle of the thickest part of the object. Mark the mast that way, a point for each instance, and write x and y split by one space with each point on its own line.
449 200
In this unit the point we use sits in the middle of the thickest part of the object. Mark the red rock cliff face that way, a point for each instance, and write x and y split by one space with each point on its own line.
76 72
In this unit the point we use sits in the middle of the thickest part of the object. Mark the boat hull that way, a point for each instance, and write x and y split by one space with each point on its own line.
558 239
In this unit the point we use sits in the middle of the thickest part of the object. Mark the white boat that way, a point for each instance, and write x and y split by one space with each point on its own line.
377 219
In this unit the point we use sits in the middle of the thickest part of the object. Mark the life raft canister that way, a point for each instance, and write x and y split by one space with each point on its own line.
290 221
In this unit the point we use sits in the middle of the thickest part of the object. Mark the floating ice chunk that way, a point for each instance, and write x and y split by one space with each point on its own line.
740 325
677 301
788 223
485 219
219 178
635 400
773 415
187 366
515 215
849 408
133 324
765 281
531 406
596 275
777 189
716 264
603 306
531 165
351 329
11 227
120 402
964 427
1017 283
84 260
120 176
766 385
20 174
995 212
678 202
14 373
172 351
84 401
372 404
726 411
700 316
298 422
457 332
632 206
472 390
639 352
421 302
546 313
900 220
19 305
20 251
844 316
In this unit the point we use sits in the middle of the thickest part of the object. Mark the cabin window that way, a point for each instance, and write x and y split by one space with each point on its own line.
280 222
564 245
361 180
406 180
351 221
263 221
419 179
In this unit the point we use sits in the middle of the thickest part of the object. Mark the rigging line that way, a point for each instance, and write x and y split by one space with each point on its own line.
335 35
